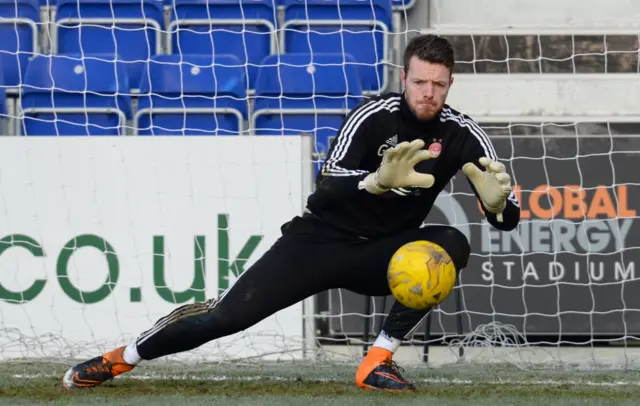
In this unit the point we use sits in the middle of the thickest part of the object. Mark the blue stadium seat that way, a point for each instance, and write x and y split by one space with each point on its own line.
19 42
326 26
192 95
401 5
75 95
245 28
305 94
87 26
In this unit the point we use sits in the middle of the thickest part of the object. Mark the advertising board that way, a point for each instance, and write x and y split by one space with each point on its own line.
100 237
569 268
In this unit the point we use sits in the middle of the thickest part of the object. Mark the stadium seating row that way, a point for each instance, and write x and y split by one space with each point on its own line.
188 95
399 5
249 29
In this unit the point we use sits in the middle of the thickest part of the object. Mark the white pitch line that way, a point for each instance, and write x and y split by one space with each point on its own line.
461 382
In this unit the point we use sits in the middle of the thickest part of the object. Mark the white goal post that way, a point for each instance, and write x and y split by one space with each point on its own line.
103 235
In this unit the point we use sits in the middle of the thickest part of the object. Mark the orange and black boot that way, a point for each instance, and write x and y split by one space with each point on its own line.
379 372
96 370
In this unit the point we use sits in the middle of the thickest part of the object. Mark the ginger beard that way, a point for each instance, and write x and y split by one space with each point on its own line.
426 86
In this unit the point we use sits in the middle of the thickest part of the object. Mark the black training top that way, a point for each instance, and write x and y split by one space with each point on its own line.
372 127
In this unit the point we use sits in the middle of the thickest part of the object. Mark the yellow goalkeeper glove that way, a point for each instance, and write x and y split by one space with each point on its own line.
396 169
493 185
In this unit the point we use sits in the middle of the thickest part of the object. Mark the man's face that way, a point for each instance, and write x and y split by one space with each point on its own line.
426 87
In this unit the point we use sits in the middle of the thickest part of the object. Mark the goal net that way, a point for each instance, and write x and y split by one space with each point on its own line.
153 150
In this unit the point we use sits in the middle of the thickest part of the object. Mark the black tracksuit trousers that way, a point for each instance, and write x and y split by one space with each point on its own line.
310 257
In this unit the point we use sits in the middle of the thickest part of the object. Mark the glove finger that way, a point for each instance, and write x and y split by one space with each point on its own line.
472 171
491 165
422 180
389 155
419 156
401 150
496 167
484 161
502 178
415 146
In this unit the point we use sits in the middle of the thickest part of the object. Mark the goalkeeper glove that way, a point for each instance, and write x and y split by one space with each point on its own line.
396 169
493 185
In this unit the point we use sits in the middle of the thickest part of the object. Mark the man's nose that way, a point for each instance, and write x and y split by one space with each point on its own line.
429 91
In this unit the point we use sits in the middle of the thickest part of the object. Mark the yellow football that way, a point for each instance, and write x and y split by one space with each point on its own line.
421 274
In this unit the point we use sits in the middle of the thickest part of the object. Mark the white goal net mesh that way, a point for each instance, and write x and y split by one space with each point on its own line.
153 149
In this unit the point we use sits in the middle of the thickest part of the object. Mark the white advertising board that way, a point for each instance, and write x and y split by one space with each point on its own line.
100 237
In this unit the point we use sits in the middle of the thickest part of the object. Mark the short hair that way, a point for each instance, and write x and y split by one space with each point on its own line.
430 48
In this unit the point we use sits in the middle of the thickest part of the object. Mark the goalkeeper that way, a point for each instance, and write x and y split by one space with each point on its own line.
391 158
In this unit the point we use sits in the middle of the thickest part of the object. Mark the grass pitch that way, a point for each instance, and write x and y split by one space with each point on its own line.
23 383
